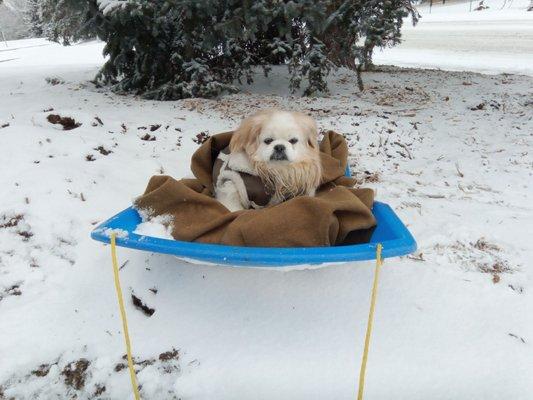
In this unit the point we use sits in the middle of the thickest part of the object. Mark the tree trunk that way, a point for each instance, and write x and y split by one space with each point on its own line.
359 78
3 37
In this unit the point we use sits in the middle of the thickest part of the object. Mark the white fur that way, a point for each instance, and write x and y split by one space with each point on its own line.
281 127
241 162
230 196
230 189
293 171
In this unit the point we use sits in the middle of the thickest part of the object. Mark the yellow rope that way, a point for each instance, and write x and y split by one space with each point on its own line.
362 372
133 377
123 316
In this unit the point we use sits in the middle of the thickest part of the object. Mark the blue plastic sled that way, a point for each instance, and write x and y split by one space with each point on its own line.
390 232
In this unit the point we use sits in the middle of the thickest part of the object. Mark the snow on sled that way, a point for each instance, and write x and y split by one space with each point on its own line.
390 232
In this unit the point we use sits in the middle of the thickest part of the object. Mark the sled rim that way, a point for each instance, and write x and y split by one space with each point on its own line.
390 232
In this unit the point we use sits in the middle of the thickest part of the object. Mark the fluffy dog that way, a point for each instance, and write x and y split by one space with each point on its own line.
273 156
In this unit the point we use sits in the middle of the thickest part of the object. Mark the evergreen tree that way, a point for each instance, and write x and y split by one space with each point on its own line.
171 49
64 21
34 18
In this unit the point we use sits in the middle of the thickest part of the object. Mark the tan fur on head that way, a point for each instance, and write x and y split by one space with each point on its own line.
284 179
309 125
246 135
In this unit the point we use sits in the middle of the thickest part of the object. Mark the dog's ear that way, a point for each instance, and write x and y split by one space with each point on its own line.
310 128
247 132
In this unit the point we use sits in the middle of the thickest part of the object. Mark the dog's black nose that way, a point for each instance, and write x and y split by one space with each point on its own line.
279 148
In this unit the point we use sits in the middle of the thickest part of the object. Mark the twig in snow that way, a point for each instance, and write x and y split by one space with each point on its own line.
403 146
517 337
416 257
458 170
402 154
463 189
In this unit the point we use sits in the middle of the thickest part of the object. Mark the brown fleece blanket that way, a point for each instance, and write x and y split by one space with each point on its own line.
338 214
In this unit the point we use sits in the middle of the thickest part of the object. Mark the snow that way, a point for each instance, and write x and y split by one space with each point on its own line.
498 10
495 40
108 6
119 233
159 227
449 151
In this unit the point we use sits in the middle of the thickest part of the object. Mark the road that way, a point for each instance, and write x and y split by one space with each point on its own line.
488 46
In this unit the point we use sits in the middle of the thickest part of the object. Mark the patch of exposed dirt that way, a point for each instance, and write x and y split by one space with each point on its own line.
42 370
26 235
120 366
99 389
16 221
98 121
400 95
483 245
102 150
141 364
14 290
169 355
144 363
372 177
201 137
484 256
75 373
148 138
68 123
484 105
54 80
138 303
10 222
167 362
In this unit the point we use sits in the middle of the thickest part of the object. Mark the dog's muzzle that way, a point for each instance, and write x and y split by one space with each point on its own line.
279 153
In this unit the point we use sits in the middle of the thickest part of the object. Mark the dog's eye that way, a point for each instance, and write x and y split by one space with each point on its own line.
268 140
293 141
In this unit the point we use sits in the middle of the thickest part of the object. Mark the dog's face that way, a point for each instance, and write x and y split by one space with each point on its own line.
277 138
283 149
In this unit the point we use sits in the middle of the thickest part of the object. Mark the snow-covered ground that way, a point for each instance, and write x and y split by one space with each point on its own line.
498 39
450 151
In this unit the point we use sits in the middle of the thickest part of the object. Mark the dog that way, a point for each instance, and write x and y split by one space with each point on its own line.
273 156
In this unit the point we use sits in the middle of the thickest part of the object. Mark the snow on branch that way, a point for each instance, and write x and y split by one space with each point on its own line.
107 6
